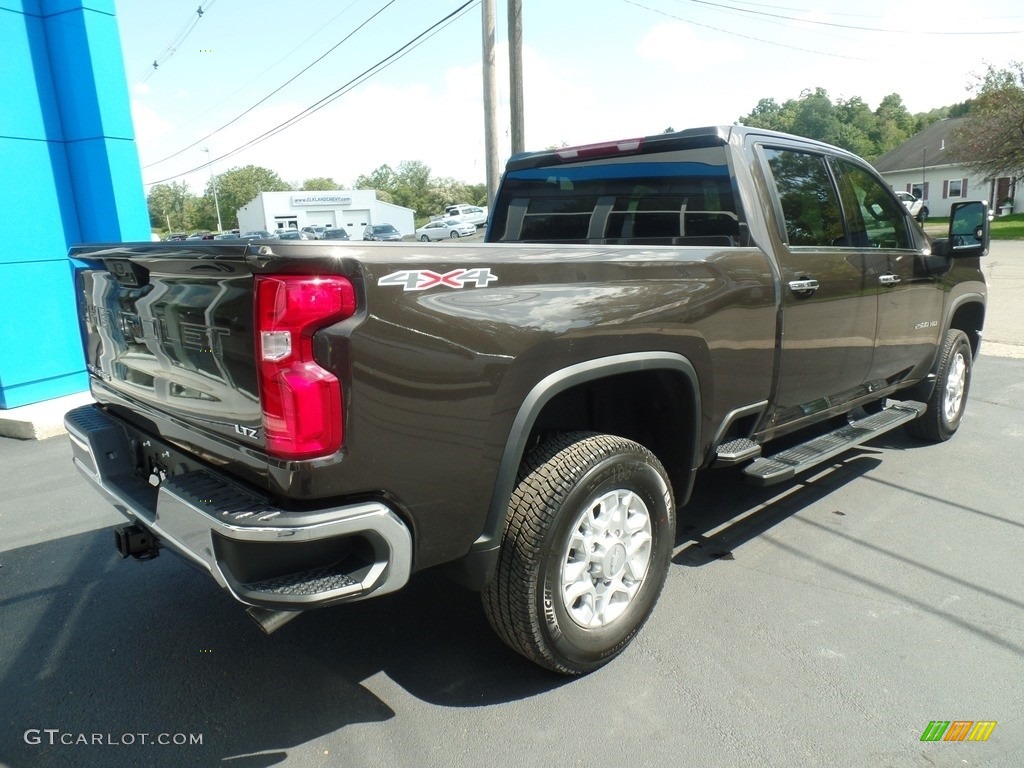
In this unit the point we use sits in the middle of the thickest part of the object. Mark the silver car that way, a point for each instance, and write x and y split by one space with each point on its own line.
443 230
314 233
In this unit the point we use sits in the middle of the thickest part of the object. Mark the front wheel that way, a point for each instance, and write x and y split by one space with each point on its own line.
922 215
455 235
585 551
949 398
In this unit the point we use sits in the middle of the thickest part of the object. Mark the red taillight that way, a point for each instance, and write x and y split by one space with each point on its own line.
302 408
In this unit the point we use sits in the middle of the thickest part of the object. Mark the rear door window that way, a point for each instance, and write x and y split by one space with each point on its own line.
810 205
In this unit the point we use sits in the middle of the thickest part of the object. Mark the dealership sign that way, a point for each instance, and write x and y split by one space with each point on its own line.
321 198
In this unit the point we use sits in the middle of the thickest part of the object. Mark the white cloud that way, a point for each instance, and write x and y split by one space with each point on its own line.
687 53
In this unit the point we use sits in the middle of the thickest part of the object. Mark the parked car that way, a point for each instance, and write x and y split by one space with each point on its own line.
915 205
444 229
293 234
336 233
177 236
470 214
314 233
381 232
226 236
197 236
258 234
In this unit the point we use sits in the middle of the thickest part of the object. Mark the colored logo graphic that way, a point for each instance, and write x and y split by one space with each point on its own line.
958 730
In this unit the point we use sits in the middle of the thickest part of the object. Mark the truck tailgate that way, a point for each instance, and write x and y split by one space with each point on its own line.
169 330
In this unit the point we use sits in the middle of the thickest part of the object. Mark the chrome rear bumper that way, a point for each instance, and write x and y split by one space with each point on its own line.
264 556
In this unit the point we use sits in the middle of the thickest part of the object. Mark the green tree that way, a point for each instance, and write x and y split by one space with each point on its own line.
815 117
319 184
447 191
412 186
383 178
476 194
847 123
856 122
236 188
991 141
893 124
167 205
771 115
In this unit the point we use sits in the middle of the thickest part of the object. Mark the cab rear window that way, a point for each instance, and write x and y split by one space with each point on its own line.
678 198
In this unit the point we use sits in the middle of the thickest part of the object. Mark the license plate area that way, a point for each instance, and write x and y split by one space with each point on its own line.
157 461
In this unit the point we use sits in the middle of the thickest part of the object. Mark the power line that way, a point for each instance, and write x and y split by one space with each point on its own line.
276 90
176 41
844 26
746 37
273 66
365 75
799 10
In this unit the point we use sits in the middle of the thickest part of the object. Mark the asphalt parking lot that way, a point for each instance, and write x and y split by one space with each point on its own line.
824 622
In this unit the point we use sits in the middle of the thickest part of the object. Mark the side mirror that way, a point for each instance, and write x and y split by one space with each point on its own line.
968 229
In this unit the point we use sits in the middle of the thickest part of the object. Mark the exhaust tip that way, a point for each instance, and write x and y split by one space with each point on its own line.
270 620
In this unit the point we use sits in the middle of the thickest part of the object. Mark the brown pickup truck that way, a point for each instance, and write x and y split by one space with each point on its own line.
311 423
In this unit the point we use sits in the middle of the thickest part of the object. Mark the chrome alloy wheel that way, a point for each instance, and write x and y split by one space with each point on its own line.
606 559
956 385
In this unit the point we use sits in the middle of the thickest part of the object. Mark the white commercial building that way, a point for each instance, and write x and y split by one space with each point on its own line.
351 209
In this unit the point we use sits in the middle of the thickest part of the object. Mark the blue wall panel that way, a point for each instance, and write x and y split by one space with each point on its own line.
42 359
68 157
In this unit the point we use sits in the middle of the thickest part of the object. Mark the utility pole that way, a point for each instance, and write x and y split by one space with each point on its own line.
216 202
490 102
515 67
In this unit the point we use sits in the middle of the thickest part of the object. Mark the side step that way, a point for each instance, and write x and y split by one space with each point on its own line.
736 452
783 466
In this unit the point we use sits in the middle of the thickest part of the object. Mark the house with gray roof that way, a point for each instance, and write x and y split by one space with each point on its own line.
921 165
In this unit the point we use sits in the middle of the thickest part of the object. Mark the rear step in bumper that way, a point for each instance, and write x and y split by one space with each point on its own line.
770 470
266 557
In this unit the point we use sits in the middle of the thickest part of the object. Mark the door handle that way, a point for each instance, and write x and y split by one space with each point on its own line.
806 286
888 279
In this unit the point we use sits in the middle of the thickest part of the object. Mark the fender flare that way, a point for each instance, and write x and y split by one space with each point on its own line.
479 564
924 388
955 305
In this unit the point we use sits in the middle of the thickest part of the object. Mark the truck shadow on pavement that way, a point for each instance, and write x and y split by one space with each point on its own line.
725 511
91 645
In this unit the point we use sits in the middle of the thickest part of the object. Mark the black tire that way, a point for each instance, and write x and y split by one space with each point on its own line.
424 239
455 235
949 398
922 215
567 488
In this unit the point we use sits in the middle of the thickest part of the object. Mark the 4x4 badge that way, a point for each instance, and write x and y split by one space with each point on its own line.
422 279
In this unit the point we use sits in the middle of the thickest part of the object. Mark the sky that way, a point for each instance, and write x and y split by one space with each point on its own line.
594 70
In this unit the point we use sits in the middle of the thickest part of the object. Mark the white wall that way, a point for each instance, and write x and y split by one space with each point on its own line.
352 209
250 216
937 176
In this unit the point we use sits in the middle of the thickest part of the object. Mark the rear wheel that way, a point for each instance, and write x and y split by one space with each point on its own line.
949 398
424 239
585 552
